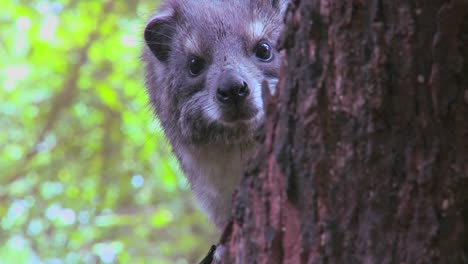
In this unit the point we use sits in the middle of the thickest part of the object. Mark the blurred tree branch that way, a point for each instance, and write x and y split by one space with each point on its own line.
66 96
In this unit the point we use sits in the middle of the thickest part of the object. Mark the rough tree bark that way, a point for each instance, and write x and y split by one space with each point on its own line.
365 155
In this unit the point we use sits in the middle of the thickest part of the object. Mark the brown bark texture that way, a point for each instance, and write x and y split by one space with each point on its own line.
365 154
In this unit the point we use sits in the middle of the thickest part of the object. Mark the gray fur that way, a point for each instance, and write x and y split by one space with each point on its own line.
211 149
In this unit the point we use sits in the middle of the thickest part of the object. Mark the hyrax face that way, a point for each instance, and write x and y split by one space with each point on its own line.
206 61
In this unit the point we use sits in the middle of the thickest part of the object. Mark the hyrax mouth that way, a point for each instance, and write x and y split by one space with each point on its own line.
239 113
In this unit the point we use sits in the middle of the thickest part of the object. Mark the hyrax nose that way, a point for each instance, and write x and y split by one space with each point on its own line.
232 89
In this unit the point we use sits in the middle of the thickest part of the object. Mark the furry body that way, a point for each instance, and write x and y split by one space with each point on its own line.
205 62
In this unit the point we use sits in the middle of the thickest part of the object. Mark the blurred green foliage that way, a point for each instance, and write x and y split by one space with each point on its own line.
85 173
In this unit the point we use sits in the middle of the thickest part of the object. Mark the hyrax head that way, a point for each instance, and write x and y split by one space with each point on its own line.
205 62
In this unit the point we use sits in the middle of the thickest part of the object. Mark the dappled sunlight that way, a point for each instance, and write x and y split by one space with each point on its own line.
86 173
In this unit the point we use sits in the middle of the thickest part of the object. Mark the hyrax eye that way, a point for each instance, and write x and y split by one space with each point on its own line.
263 51
196 65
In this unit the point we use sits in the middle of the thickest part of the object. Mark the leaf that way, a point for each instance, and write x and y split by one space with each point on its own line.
161 218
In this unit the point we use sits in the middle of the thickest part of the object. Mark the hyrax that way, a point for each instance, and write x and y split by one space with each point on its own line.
205 62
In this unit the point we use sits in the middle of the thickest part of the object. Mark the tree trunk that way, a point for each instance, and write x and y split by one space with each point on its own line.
365 154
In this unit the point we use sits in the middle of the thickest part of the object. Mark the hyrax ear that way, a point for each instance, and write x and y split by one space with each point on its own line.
158 35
